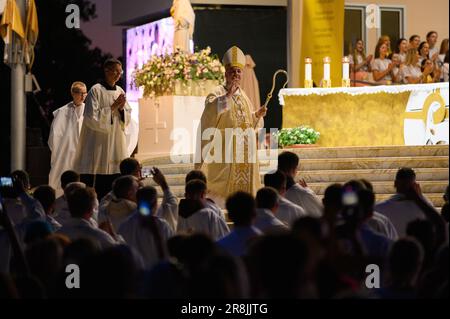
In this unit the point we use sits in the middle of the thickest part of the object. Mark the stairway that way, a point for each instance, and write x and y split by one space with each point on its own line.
322 166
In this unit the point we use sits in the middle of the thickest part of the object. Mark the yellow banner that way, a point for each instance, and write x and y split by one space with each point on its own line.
323 36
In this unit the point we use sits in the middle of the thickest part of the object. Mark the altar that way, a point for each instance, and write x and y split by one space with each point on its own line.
168 125
371 116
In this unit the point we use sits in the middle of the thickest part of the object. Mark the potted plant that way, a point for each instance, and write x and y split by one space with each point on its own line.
301 136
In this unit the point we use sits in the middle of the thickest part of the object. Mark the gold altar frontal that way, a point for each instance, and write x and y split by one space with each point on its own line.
344 118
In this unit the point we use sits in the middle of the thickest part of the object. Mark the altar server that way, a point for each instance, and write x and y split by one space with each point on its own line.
64 135
103 139
195 216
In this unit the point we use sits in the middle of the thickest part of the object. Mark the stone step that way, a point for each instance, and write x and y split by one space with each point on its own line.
376 151
379 187
388 187
374 163
435 198
337 152
372 175
342 164
340 176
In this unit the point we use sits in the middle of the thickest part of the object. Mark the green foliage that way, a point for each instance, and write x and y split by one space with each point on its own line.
297 135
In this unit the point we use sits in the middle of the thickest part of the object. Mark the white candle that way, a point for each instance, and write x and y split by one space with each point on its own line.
308 69
308 72
345 71
326 71
345 68
326 68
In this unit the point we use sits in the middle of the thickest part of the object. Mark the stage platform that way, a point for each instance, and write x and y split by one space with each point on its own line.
321 166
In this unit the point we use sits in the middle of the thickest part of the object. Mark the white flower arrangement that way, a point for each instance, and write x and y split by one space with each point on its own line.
159 75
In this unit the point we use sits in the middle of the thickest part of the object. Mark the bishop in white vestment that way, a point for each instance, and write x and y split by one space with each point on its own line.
230 164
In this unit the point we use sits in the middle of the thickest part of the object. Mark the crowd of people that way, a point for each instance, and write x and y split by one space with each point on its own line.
410 61
283 242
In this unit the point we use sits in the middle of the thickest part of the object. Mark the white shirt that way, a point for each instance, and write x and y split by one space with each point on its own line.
237 241
204 221
23 207
380 66
359 60
400 212
117 210
107 198
445 72
77 228
169 209
62 213
432 51
140 237
267 222
215 208
410 71
63 140
306 199
289 212
381 224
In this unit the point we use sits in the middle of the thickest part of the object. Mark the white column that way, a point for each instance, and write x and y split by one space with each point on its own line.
18 103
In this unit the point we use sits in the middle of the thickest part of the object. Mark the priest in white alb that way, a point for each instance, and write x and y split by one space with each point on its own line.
64 134
230 164
103 139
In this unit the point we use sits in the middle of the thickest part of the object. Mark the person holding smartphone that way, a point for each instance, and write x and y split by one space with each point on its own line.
103 139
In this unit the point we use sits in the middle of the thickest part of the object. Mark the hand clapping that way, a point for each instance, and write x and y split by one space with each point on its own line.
119 103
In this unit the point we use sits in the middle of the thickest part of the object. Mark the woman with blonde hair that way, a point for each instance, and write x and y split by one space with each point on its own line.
411 72
359 63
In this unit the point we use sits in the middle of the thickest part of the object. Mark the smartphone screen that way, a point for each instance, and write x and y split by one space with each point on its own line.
146 172
6 182
144 209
